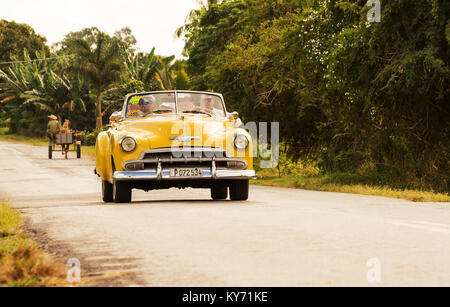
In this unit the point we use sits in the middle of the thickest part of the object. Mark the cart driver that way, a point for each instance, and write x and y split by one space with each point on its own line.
53 128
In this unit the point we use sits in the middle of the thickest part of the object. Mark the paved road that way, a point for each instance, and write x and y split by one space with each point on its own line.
280 237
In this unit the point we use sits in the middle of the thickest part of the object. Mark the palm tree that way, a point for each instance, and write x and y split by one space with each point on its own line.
99 63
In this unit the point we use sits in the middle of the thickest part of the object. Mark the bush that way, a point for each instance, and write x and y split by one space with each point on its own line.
4 130
91 137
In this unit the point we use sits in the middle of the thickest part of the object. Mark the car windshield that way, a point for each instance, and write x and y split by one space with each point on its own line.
141 105
200 103
148 104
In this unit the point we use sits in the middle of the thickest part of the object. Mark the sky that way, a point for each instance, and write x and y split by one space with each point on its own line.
153 22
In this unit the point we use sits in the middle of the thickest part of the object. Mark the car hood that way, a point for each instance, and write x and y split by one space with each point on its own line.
159 131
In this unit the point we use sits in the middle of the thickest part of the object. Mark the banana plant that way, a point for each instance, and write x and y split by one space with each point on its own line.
141 67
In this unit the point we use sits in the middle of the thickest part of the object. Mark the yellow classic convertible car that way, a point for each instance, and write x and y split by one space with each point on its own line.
178 139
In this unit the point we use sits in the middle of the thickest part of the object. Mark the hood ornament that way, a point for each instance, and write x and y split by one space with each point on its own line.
184 138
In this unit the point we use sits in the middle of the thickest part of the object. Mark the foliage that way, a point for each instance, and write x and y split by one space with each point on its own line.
15 37
99 63
88 73
352 96
91 137
28 87
346 93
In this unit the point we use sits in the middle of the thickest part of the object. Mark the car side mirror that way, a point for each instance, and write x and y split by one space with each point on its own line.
115 117
233 115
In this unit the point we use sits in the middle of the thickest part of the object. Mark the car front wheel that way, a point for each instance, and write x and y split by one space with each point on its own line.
122 192
219 192
107 192
239 190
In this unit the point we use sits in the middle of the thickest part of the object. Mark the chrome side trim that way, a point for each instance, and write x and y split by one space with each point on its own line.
235 174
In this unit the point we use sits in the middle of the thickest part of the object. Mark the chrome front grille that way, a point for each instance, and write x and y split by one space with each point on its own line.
167 158
194 152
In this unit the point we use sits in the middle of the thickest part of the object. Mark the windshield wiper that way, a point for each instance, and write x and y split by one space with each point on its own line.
158 112
197 112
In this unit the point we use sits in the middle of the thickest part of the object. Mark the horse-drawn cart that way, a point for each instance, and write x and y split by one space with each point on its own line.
65 140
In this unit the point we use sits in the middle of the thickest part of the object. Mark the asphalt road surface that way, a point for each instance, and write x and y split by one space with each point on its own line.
279 237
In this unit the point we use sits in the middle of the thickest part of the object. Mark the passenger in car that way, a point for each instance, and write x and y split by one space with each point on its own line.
147 105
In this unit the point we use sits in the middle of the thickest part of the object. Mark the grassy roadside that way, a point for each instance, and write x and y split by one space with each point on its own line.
23 139
88 151
22 264
301 181
323 183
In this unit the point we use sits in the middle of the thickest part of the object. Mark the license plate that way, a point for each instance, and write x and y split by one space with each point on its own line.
186 172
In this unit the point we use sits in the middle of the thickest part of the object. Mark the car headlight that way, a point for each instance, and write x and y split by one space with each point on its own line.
241 141
128 143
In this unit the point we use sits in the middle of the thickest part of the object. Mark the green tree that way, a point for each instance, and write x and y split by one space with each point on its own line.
192 23
15 37
32 87
99 63
397 75
172 75
349 94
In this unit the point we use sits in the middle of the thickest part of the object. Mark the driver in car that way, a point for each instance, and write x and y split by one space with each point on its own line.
207 106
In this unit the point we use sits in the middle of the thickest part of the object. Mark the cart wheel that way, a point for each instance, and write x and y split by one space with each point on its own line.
50 151
78 151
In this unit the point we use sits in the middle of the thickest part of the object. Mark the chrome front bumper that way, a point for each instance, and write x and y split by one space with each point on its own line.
160 174
161 165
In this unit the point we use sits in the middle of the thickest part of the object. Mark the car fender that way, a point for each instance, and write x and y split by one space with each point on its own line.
103 157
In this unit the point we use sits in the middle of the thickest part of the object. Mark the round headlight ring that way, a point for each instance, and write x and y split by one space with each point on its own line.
128 143
241 141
